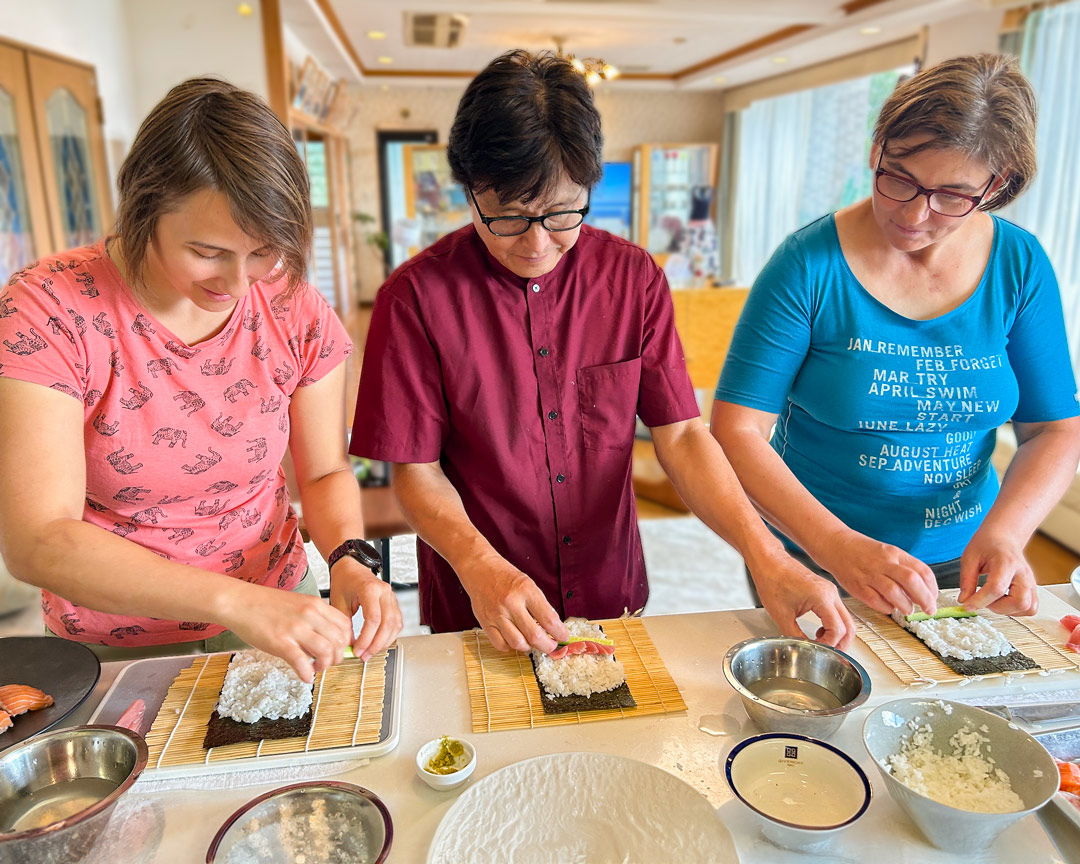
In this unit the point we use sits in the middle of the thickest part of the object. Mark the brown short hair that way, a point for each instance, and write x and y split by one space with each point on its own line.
523 121
980 104
209 134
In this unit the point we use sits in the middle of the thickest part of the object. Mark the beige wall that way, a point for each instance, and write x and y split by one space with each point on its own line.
973 33
630 117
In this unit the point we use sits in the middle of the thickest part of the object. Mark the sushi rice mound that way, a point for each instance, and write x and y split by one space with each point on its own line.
963 638
579 674
965 779
259 686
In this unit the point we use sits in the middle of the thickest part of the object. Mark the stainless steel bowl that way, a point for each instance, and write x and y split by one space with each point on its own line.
340 820
1031 770
795 685
58 790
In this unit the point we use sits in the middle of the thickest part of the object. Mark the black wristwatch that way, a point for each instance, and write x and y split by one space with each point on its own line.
361 550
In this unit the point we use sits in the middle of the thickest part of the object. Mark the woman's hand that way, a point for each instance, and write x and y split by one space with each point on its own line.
352 587
1010 583
514 613
788 590
305 631
883 576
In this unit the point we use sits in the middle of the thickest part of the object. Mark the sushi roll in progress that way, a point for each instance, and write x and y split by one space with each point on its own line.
586 676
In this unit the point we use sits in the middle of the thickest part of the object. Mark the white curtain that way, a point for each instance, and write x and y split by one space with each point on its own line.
1050 209
801 156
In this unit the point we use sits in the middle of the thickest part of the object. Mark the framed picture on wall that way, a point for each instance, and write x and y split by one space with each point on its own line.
611 207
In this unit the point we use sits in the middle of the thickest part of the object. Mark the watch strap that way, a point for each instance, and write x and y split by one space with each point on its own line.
361 550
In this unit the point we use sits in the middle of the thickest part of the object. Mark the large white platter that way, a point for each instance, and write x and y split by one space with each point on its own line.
581 808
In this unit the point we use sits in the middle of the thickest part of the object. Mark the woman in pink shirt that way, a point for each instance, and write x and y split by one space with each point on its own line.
150 385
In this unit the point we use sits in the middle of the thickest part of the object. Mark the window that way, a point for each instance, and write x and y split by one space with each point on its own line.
798 157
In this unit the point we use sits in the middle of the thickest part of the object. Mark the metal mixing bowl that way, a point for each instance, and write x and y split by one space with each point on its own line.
58 789
325 819
795 685
1031 770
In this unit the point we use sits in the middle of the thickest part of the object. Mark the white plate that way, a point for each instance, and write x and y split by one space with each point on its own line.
581 807
1075 580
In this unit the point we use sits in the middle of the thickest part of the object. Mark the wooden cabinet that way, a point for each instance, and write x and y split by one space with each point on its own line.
54 187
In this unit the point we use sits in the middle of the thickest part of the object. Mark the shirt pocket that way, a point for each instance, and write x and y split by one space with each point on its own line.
607 399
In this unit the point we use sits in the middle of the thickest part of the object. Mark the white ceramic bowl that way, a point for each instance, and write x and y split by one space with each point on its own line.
803 791
444 782
1032 773
1074 578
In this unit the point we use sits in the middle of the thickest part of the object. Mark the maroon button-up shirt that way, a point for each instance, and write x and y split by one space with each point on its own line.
526 392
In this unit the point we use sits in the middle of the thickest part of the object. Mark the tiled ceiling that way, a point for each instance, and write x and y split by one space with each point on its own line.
656 43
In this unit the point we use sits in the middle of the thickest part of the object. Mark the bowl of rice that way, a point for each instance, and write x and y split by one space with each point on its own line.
962 774
323 820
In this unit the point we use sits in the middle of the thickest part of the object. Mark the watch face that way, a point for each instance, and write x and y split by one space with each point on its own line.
365 553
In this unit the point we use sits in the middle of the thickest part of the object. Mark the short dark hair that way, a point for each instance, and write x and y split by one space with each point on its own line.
523 122
979 104
209 134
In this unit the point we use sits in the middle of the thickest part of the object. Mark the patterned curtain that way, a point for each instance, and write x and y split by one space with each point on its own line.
801 156
1050 209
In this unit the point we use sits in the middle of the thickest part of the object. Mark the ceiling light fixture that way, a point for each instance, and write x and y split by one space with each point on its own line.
386 60
592 69
869 31
779 60
376 34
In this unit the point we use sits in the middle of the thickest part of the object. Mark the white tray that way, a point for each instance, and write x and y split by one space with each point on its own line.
150 679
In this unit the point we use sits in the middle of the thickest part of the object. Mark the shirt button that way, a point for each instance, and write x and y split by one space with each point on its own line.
553 415
566 539
569 594
543 352
536 289
559 478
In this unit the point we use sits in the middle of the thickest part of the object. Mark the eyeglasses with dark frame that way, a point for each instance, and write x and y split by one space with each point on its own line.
941 201
512 226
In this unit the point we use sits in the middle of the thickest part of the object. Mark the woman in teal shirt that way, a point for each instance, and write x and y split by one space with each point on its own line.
888 341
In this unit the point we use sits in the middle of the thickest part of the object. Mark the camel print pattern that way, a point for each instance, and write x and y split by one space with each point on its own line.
183 442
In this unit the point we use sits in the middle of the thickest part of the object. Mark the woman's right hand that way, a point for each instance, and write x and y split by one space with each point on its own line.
882 576
305 631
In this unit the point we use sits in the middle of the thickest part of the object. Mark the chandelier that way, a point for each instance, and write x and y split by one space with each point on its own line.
593 69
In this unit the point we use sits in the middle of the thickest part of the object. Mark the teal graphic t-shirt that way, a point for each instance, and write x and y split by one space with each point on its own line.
891 422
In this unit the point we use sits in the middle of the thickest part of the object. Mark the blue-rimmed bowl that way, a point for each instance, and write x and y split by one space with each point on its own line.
802 791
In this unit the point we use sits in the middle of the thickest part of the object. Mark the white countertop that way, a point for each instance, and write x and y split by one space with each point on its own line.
692 646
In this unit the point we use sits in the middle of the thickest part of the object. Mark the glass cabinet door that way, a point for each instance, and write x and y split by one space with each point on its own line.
71 141
23 220
677 184
434 202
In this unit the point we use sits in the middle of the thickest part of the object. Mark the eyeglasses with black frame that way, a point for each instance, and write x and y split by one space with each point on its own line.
512 226
941 201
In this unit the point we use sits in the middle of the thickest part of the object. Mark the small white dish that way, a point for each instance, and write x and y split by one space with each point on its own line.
1075 580
803 791
444 782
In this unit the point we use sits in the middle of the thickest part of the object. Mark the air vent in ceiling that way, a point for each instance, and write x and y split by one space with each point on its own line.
433 29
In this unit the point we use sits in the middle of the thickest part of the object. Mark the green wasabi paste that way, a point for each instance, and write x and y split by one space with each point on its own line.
445 760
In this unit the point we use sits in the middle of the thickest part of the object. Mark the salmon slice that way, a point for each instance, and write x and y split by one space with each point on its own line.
17 699
5 721
1070 622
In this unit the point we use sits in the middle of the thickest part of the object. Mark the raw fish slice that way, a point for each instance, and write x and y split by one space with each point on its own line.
1073 644
5 721
1070 622
559 652
606 649
132 718
577 647
591 648
17 699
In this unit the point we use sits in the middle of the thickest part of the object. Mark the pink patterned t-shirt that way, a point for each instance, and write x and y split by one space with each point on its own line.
183 442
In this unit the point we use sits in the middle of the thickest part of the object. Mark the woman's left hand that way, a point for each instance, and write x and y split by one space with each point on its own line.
1010 583
352 587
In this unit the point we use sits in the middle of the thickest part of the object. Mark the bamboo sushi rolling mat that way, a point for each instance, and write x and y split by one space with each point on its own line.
914 663
347 701
503 692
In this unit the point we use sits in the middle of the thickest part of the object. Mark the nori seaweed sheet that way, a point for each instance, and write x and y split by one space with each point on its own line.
616 697
224 730
1014 661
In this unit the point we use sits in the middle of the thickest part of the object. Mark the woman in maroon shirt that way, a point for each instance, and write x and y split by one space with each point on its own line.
504 370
